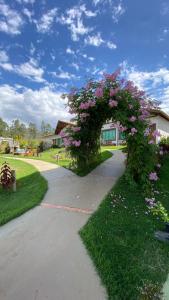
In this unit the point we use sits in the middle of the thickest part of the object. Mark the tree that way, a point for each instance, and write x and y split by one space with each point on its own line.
46 128
3 128
32 131
18 130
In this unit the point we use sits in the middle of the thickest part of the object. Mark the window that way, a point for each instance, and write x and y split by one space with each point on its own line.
122 136
109 135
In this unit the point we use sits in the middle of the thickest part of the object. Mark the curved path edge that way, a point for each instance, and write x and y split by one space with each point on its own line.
41 254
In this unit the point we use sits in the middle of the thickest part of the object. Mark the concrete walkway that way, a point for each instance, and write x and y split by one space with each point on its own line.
41 254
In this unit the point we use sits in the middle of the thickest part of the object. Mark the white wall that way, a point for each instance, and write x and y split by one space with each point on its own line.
162 125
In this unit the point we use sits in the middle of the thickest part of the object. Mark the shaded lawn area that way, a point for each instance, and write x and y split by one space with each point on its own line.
120 240
65 161
31 188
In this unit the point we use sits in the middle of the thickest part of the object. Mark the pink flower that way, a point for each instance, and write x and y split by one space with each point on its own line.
156 133
76 143
87 104
151 142
150 202
130 106
153 176
113 76
113 103
76 129
161 152
67 142
99 92
132 119
158 166
133 131
63 134
147 132
113 92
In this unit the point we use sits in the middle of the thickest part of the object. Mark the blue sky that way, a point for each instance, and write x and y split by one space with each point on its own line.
48 46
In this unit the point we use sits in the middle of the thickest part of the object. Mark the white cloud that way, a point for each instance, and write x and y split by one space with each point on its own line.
88 57
29 14
3 56
63 74
117 11
111 45
76 66
45 23
32 105
96 40
10 20
26 1
114 6
30 69
70 51
73 18
155 83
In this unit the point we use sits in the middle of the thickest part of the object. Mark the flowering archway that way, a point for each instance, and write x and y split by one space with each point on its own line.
118 100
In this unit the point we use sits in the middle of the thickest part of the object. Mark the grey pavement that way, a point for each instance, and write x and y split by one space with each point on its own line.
41 254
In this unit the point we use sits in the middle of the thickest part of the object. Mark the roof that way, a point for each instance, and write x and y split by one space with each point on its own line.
62 124
158 112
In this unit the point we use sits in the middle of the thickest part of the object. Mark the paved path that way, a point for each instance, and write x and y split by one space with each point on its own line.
41 254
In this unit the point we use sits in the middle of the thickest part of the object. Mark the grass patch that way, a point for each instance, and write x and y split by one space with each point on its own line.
120 239
65 161
31 188
100 159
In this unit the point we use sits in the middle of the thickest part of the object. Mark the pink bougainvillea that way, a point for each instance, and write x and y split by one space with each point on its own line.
99 92
113 103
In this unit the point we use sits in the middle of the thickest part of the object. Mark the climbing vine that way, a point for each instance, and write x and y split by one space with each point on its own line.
120 101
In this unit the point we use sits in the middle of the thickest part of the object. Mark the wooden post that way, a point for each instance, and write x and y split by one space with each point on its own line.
14 180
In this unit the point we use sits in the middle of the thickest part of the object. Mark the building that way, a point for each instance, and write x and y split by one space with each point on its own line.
13 145
110 135
54 140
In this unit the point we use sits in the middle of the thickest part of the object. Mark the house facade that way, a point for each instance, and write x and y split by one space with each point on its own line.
55 139
110 135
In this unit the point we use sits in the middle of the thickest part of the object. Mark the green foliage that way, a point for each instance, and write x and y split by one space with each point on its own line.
120 239
31 187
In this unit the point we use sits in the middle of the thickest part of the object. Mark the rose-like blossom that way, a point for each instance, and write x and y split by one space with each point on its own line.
76 143
132 119
76 129
99 92
113 92
153 176
133 131
113 103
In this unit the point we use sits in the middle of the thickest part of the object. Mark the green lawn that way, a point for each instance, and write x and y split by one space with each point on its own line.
132 264
65 161
31 188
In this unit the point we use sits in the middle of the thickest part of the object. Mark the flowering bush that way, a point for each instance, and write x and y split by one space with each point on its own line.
118 100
